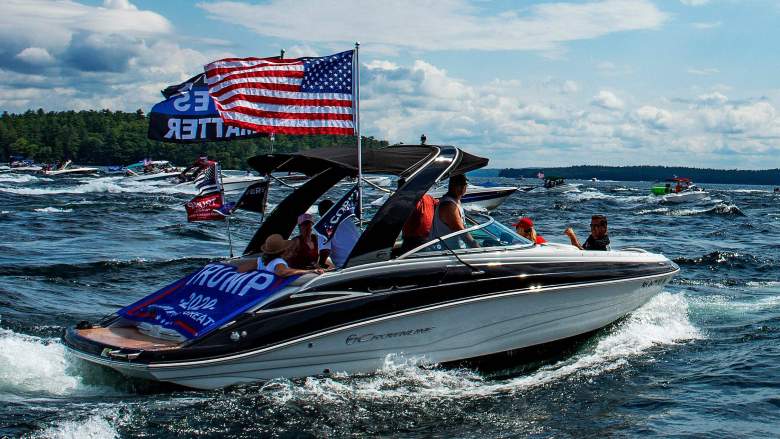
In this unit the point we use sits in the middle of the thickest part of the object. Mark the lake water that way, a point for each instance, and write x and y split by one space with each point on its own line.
702 359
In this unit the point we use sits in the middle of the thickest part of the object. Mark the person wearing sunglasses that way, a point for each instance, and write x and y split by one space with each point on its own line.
525 228
598 239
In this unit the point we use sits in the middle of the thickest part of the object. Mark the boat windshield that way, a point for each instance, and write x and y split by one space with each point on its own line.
486 231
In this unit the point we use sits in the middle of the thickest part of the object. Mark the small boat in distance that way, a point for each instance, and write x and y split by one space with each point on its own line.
151 170
678 190
557 184
21 164
67 168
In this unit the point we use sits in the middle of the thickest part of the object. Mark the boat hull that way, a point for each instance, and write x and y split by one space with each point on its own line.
77 171
238 184
685 197
438 333
154 177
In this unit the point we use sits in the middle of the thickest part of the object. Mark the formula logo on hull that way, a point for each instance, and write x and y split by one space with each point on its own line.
354 338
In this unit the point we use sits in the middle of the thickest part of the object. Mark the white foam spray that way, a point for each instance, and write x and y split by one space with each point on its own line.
30 364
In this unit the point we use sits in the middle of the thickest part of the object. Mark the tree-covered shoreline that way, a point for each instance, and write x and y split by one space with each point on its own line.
652 173
119 138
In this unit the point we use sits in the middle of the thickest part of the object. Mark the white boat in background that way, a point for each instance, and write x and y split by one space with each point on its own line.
558 184
678 190
66 168
694 194
21 164
151 170
238 184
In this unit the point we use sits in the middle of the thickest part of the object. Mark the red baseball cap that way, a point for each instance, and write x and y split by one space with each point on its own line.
525 222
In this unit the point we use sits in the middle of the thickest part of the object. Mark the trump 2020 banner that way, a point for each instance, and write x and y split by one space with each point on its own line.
205 300
188 115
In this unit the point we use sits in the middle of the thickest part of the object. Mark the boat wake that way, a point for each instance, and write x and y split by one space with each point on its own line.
35 365
96 425
103 185
728 260
53 210
720 209
21 178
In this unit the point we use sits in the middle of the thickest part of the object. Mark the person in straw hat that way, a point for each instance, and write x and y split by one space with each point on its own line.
273 260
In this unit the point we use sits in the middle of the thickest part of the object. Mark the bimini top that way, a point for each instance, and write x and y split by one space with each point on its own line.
421 166
393 160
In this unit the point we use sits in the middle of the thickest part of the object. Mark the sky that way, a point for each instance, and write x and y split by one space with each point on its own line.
554 83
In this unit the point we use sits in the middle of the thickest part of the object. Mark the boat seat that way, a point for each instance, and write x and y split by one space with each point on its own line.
126 337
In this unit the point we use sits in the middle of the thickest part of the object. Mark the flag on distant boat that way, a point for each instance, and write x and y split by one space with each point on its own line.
207 182
311 95
205 206
347 206
188 115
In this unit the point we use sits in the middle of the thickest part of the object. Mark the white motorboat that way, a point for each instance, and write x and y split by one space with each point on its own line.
68 168
151 170
678 190
442 301
685 196
238 184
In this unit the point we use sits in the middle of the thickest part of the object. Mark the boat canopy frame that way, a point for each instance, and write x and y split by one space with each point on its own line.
422 166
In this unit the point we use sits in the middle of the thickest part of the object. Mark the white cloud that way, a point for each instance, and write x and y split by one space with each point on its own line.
110 56
607 100
703 71
35 56
442 25
694 2
654 117
381 65
712 99
522 123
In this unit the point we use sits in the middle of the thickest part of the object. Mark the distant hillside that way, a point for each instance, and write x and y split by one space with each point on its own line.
652 173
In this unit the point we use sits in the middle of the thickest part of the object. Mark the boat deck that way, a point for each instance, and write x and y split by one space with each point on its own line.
128 338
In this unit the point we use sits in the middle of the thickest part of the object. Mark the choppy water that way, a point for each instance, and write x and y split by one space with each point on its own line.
702 359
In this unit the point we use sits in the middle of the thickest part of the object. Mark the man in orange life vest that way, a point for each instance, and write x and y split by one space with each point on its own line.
418 225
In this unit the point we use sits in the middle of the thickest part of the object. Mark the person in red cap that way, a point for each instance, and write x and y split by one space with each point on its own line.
525 228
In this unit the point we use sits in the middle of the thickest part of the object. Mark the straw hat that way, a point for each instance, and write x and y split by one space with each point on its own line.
275 244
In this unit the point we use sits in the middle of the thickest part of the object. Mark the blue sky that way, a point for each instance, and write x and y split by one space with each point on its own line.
619 82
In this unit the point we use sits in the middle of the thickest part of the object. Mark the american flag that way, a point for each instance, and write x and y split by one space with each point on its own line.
207 182
285 96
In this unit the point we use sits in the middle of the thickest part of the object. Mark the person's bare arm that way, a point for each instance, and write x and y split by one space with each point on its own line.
573 238
450 215
284 271
246 266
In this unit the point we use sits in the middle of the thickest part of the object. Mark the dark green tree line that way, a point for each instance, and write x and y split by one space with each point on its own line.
119 138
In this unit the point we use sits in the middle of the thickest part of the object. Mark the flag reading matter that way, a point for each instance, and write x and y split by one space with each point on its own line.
188 115
312 95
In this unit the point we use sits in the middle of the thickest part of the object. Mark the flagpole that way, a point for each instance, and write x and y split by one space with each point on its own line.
227 217
356 106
